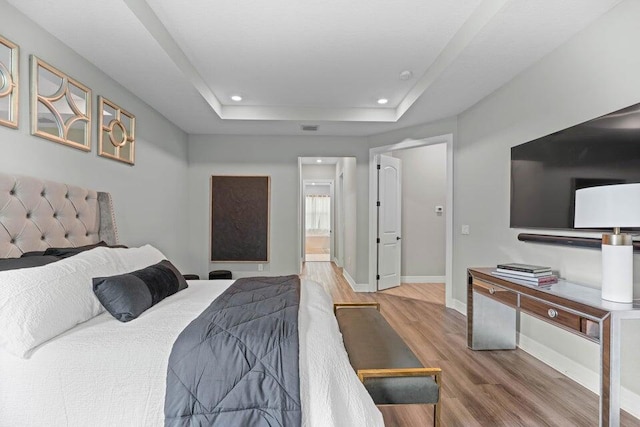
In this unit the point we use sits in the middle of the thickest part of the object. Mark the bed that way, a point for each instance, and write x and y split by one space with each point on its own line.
103 372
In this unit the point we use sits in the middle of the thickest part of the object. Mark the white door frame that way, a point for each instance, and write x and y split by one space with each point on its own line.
339 232
303 227
300 218
373 212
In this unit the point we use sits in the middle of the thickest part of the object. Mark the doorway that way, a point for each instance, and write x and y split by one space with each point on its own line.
318 220
339 173
389 263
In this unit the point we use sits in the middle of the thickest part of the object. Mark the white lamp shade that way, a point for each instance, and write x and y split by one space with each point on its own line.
608 206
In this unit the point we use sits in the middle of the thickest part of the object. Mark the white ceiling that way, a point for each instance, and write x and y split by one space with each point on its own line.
323 62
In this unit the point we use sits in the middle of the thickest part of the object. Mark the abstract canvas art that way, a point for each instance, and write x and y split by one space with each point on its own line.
240 218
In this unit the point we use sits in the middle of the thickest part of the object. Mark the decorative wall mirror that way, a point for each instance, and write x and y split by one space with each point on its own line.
117 134
60 106
9 63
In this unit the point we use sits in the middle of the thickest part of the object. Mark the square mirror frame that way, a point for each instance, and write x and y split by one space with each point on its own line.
63 92
118 134
9 76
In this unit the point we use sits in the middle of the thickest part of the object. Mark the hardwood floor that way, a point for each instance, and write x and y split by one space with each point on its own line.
480 388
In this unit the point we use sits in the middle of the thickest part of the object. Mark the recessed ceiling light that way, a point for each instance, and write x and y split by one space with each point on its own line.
319 160
236 98
382 101
406 75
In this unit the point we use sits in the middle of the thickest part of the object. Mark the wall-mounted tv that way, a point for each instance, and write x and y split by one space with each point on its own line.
546 172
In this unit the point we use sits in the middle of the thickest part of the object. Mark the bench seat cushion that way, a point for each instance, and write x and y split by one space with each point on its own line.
372 343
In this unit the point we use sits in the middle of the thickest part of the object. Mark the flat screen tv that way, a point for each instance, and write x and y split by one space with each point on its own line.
546 172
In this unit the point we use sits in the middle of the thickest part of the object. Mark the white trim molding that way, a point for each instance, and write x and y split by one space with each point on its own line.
464 36
357 287
422 279
629 401
460 307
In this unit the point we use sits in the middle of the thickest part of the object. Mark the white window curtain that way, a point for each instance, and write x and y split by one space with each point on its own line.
318 214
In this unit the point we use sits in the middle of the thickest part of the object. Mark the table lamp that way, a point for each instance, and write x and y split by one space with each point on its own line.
612 206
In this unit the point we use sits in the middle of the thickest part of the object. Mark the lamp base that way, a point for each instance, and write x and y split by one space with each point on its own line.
617 268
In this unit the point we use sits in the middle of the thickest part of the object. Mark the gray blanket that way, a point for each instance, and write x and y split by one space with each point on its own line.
237 363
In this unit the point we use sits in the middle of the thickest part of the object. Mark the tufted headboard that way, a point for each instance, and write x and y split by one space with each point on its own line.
37 214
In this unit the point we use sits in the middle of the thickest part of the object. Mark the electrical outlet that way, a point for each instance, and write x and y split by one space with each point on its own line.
260 267
465 229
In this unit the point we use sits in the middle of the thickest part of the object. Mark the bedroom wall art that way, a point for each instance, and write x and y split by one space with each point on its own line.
60 106
240 208
117 135
9 79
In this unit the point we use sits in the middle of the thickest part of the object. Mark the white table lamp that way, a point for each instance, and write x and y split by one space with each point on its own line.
612 206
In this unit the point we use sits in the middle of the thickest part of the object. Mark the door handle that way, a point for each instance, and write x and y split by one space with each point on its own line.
398 238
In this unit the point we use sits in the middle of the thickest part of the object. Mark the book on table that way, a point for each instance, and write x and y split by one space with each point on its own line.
538 281
525 268
524 273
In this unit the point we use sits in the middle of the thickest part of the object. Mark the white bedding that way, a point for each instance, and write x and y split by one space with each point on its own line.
107 373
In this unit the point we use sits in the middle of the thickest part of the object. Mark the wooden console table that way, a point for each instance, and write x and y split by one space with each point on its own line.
493 304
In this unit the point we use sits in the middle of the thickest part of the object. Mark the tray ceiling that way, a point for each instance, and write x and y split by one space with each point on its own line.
323 62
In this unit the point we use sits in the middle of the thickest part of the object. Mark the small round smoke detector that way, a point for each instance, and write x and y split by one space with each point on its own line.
406 75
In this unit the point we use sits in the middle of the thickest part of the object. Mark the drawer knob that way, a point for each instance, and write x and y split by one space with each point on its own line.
552 313
492 291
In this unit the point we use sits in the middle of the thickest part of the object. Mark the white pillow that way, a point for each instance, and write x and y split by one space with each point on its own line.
37 304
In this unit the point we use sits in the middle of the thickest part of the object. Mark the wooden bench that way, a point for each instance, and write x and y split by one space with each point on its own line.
389 370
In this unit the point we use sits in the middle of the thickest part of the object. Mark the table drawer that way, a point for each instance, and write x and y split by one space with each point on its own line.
550 313
495 292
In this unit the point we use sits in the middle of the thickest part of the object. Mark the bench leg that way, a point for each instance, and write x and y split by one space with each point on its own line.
436 408
409 372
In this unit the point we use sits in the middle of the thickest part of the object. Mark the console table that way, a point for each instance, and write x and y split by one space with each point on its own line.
493 304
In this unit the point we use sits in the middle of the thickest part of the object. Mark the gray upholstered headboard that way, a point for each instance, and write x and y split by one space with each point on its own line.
36 214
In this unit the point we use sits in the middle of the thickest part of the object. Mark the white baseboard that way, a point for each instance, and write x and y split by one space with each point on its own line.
422 279
357 287
460 307
335 261
629 401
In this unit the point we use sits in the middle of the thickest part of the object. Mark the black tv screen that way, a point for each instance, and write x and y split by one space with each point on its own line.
546 172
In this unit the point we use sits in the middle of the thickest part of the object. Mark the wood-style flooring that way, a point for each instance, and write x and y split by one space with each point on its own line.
480 388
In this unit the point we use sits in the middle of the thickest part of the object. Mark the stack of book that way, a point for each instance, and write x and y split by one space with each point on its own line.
530 274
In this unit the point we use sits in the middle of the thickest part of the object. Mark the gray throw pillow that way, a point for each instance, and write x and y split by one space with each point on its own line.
127 296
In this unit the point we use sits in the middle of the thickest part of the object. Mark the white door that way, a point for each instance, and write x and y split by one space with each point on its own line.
389 222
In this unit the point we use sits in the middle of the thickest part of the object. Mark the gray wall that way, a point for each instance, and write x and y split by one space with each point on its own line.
319 171
277 157
424 185
355 239
426 130
596 72
317 190
150 197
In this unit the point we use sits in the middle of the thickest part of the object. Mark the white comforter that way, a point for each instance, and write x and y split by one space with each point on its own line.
107 373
